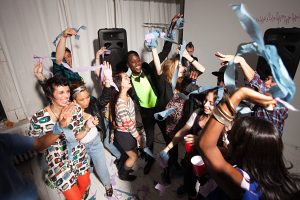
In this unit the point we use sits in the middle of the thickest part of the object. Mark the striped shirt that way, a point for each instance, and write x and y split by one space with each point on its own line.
125 117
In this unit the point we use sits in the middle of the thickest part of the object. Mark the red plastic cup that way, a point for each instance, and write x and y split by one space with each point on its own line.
198 165
188 147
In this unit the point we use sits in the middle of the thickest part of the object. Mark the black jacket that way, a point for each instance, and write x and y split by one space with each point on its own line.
150 72
96 106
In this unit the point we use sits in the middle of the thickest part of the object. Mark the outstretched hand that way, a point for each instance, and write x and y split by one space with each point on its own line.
226 58
170 32
100 52
194 75
107 71
69 32
38 71
176 17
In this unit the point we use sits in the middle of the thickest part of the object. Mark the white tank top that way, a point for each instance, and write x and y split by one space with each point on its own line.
90 136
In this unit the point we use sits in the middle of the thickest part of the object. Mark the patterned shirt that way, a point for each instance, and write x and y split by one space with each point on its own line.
275 116
125 116
62 172
173 121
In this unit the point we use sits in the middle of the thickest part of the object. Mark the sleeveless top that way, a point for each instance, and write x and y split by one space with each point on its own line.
90 136
251 188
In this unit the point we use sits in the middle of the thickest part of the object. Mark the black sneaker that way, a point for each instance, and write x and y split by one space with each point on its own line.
165 176
148 166
181 190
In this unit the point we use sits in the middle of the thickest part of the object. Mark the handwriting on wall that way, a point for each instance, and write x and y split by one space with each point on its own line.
278 18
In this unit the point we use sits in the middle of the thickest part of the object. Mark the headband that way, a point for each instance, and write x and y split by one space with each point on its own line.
78 90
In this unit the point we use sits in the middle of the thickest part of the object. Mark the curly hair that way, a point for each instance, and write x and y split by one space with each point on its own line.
51 83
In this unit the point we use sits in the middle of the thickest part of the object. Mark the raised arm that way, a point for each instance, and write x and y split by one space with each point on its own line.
156 61
194 62
45 141
61 46
98 54
40 142
178 136
226 176
167 45
108 91
38 71
248 71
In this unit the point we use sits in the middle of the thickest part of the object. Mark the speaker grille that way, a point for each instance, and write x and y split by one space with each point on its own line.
115 40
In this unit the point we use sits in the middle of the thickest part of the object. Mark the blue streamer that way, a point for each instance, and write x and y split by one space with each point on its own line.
76 36
229 76
179 23
164 155
175 75
70 137
171 34
161 116
151 39
57 130
205 88
71 141
148 151
285 88
249 24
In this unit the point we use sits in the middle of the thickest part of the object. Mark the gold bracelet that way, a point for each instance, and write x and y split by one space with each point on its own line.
225 114
220 118
229 104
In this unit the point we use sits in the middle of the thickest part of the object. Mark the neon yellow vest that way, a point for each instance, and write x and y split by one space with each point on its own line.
144 91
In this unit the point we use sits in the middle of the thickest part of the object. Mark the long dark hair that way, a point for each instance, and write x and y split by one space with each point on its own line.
197 101
257 147
117 78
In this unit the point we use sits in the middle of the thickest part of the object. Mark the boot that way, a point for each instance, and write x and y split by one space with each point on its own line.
125 176
166 176
121 161
149 164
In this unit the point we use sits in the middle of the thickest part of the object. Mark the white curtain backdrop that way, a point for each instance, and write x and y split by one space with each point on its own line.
28 27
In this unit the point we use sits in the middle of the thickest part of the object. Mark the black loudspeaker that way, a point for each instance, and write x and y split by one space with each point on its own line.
287 42
115 40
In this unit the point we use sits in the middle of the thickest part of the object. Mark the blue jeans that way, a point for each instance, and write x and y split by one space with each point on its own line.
95 150
109 145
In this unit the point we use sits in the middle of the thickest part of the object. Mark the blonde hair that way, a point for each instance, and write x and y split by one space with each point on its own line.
168 68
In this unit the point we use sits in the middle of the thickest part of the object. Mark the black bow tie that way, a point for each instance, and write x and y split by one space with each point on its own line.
138 78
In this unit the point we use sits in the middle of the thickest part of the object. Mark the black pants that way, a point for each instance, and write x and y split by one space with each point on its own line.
173 153
149 122
189 180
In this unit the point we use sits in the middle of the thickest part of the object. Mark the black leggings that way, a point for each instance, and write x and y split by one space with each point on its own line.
149 122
